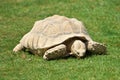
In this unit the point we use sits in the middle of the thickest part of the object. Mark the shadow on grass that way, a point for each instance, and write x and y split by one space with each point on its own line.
88 54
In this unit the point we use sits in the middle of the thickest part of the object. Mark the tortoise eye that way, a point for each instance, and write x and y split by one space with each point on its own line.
78 53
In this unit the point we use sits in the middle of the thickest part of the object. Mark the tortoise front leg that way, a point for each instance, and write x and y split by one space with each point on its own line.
55 52
96 47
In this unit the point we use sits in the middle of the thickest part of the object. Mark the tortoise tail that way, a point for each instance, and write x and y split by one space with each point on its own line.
18 48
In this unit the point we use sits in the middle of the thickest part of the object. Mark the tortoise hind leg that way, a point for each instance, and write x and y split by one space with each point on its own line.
18 48
55 52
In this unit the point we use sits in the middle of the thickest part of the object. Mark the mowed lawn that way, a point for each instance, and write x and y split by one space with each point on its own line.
101 18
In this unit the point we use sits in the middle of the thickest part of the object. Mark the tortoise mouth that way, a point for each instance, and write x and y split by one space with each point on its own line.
78 55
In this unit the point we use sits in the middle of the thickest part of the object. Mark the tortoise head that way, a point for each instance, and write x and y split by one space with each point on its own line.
78 49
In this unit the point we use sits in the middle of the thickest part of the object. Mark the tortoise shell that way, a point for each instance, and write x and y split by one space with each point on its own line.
52 31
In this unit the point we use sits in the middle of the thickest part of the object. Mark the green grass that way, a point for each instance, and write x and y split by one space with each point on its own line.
101 18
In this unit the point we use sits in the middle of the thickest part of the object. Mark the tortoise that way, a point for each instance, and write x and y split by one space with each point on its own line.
57 37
